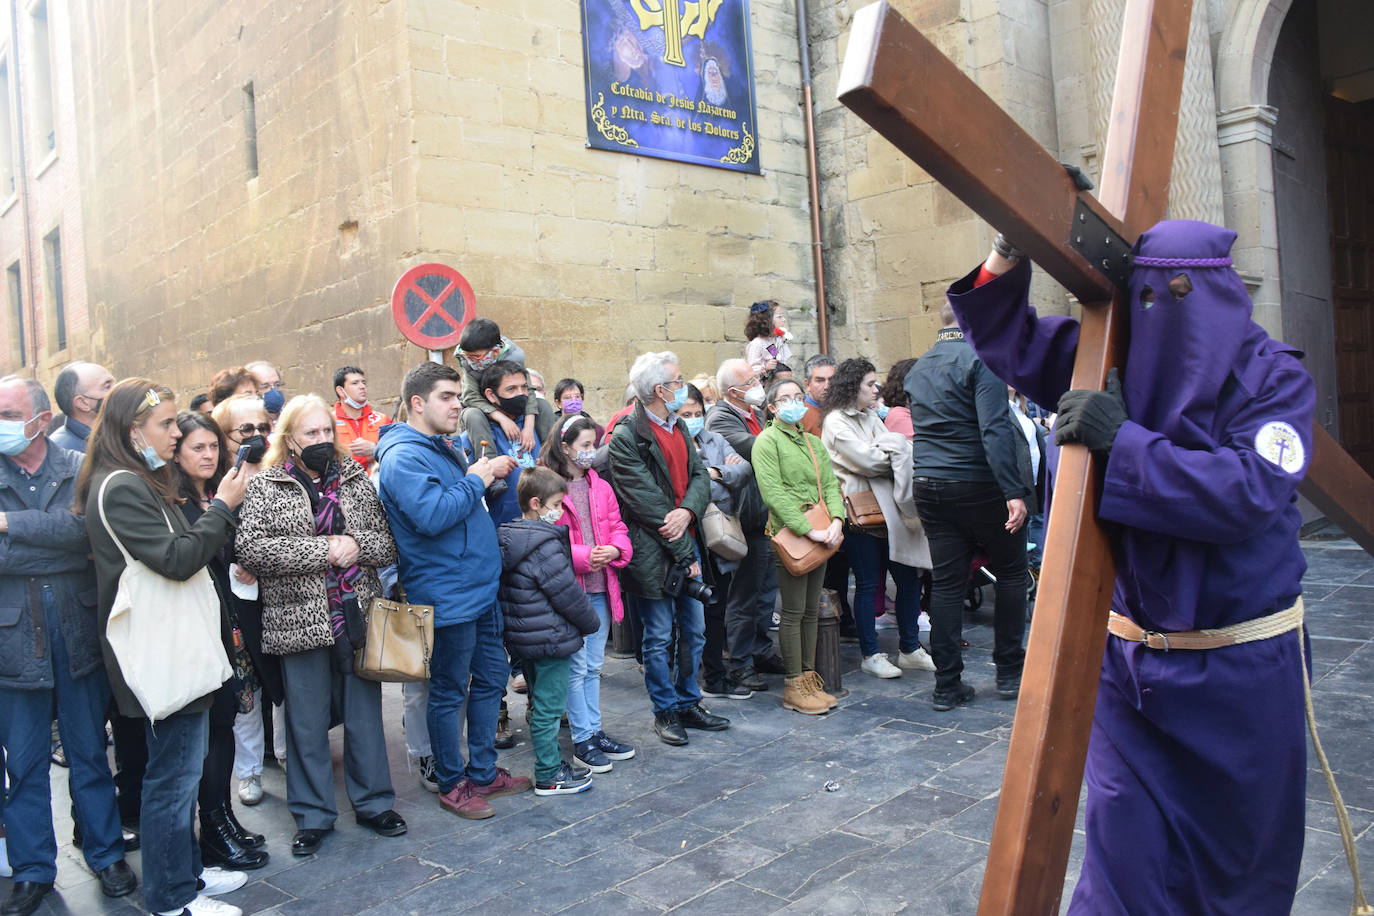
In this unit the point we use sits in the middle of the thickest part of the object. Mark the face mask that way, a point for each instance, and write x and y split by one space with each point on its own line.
95 404
257 447
356 405
754 396
694 425
792 412
883 411
551 515
572 406
679 398
151 458
12 438
317 457
274 401
514 407
585 459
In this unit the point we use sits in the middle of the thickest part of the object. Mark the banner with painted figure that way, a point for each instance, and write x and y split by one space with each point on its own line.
672 79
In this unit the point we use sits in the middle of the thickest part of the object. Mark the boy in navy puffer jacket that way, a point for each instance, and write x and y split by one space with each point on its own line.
547 614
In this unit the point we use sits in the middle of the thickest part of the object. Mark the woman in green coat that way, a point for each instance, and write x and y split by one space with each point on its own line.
793 472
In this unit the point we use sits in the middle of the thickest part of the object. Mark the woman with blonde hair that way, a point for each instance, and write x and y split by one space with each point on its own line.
313 530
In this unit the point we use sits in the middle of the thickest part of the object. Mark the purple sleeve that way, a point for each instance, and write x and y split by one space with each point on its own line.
1032 354
1221 495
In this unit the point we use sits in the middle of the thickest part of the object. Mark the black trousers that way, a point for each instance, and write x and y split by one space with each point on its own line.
961 518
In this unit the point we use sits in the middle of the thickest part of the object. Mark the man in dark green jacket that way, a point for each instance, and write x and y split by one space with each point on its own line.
663 490
49 656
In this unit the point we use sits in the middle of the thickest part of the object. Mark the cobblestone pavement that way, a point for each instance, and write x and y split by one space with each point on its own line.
741 821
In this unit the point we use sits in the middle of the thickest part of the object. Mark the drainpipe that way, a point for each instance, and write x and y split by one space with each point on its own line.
813 183
22 186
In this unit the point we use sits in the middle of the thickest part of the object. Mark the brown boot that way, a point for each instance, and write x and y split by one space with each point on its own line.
504 737
798 695
818 687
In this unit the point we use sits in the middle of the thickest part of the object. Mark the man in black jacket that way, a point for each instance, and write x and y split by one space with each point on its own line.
49 655
753 590
663 490
970 491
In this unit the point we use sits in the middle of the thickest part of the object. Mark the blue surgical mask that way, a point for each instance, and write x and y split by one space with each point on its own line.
151 458
678 400
356 405
12 438
273 401
694 425
792 412
883 411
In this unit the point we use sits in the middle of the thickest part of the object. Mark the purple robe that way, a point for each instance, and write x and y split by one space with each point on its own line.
1196 768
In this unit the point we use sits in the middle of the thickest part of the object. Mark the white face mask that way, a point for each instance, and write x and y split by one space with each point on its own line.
356 405
754 397
551 515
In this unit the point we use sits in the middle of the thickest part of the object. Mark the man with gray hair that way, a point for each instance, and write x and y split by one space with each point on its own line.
820 369
79 390
664 489
268 380
51 644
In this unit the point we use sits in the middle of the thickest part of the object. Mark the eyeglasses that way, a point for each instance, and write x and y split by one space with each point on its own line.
782 402
248 429
675 383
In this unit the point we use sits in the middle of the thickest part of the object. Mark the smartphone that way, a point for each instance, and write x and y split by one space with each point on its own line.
243 453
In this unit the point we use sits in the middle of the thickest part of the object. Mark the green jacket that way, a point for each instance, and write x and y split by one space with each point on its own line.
786 475
639 476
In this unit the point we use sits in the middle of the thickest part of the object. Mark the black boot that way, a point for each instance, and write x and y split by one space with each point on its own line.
219 844
245 837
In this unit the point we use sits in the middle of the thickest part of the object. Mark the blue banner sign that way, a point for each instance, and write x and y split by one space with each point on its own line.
672 79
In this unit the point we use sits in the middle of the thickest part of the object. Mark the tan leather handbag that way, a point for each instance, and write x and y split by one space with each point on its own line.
863 511
724 536
400 638
798 554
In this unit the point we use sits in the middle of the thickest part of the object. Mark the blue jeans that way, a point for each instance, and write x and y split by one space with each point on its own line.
171 855
868 559
25 717
468 662
669 690
584 675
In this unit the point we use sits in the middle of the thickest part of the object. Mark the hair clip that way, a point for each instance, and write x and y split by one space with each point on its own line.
151 398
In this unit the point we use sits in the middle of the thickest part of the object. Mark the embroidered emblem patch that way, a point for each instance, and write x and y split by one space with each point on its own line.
1279 444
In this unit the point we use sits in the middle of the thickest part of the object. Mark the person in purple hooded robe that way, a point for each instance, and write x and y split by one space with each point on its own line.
1196 765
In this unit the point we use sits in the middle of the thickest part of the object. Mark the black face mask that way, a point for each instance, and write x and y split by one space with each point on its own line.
317 457
513 407
257 447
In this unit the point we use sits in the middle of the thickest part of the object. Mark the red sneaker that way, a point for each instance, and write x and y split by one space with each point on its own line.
462 802
503 784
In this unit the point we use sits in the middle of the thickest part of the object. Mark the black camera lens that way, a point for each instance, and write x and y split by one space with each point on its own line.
700 591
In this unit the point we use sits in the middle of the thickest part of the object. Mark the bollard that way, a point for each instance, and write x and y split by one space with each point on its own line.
828 642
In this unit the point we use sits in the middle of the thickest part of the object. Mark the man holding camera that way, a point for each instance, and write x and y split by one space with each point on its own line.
663 489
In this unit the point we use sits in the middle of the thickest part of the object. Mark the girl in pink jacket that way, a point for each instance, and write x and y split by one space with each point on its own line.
600 546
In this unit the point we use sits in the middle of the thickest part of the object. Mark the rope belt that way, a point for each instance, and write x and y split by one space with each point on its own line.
1251 631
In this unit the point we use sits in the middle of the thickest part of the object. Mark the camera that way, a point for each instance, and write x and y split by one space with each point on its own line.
679 581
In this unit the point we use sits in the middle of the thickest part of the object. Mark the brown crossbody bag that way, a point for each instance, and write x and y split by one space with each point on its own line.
798 554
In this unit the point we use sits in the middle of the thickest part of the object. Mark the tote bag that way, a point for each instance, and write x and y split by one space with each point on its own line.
165 634
724 536
400 639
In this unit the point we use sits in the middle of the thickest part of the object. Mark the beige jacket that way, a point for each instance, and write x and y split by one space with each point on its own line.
869 456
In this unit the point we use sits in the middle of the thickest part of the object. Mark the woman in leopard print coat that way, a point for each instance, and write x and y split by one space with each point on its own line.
313 530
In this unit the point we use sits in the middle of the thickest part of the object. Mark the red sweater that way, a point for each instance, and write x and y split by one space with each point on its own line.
674 448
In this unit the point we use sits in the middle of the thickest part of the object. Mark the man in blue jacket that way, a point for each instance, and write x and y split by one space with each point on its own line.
49 651
449 559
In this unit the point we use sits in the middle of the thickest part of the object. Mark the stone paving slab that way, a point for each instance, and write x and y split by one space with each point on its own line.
741 821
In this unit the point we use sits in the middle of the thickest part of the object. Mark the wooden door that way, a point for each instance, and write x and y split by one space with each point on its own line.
1350 186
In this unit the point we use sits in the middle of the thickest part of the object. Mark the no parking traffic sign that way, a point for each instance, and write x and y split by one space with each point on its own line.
431 305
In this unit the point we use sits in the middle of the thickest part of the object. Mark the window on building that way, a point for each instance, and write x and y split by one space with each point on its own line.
41 84
6 134
250 129
57 310
18 351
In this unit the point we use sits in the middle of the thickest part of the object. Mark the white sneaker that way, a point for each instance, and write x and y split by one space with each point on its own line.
886 622
878 666
250 790
220 880
919 660
5 870
208 906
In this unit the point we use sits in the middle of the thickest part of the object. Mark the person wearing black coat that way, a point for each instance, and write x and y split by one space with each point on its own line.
546 615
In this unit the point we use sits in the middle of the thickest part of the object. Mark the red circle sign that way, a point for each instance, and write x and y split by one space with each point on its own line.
431 305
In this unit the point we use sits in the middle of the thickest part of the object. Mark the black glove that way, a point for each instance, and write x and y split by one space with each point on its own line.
1091 417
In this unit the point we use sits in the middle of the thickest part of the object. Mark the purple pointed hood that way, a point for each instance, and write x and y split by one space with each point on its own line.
1190 327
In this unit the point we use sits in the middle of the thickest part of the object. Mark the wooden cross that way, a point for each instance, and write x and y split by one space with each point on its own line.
907 90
